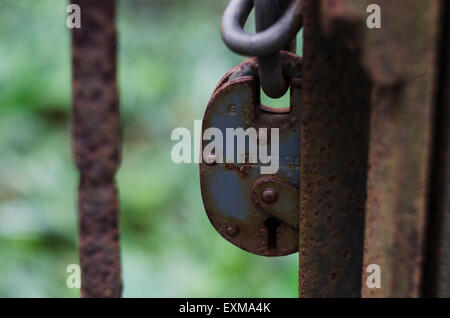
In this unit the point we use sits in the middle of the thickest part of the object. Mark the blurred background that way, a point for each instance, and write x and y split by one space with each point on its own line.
171 58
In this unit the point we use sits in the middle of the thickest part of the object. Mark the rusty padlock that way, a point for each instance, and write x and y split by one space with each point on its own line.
254 211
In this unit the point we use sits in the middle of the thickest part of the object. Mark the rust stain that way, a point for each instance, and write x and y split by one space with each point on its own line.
242 170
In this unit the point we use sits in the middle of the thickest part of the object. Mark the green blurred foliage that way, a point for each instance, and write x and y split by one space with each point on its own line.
171 57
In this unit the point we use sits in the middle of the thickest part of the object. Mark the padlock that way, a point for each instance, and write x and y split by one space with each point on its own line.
255 211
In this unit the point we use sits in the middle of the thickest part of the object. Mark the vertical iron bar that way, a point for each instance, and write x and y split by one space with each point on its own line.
334 149
96 145
400 59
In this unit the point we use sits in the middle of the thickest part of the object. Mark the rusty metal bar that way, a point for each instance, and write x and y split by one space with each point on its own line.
437 266
96 145
334 150
400 58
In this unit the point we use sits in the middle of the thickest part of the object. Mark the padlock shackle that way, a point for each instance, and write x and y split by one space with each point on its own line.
261 43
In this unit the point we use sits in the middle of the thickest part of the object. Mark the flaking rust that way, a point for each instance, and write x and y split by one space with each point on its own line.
96 146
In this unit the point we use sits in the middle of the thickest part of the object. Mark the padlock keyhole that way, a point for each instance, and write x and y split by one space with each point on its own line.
272 225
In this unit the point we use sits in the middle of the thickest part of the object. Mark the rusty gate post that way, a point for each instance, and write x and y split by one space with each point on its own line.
401 60
96 144
334 137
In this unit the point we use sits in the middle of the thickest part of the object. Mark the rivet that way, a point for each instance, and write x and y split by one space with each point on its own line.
233 230
270 195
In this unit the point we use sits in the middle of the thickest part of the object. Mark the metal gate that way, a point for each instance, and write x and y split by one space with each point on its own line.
375 148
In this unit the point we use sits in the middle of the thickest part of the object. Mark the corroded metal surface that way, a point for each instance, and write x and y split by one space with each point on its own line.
278 198
228 189
437 269
334 137
400 59
96 145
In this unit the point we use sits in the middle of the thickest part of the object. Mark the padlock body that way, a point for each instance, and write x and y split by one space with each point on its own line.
229 188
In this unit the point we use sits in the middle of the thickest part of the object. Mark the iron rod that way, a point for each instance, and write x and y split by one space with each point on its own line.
96 145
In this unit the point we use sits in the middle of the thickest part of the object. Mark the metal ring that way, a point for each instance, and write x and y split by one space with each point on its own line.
262 43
